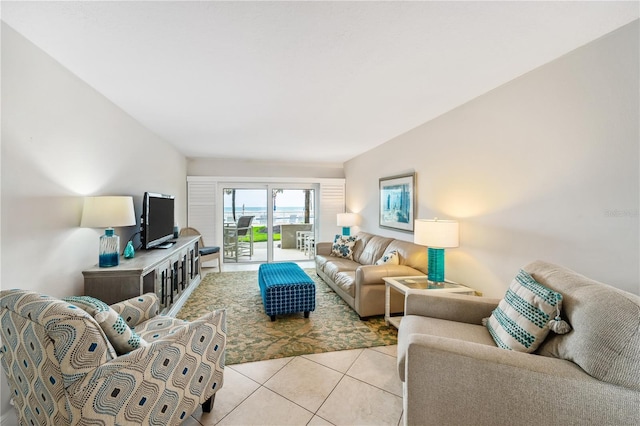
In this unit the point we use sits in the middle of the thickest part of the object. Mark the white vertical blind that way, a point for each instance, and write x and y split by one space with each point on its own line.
201 210
332 202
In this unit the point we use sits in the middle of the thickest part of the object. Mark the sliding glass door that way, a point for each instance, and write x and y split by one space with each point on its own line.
267 223
292 223
245 224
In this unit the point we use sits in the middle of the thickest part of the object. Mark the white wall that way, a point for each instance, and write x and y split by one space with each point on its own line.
544 167
257 168
62 140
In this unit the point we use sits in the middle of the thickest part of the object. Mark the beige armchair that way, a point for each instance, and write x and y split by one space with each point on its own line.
62 368
454 374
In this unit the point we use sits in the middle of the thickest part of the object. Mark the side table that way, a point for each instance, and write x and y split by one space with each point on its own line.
420 283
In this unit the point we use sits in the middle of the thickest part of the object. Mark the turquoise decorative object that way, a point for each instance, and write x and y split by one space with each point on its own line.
109 249
129 251
436 265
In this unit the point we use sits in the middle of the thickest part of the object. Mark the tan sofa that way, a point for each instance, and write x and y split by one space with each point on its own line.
359 281
454 374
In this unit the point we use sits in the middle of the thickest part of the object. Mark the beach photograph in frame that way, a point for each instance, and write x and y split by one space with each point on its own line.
397 202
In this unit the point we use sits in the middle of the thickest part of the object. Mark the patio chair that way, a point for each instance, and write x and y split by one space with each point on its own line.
207 253
310 244
234 241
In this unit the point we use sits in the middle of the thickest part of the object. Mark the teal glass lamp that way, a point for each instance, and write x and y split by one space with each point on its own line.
347 220
437 235
108 212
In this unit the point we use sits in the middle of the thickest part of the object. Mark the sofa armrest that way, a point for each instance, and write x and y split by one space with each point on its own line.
455 382
138 309
449 306
323 248
374 274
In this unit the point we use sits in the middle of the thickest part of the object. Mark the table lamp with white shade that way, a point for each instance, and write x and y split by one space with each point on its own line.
108 212
437 235
347 220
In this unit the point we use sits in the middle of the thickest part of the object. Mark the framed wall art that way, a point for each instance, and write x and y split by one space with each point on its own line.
398 202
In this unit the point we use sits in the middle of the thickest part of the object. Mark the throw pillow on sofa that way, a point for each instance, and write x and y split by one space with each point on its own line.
121 336
391 258
521 320
343 246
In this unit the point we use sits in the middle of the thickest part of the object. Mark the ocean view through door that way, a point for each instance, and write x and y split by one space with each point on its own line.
292 224
262 228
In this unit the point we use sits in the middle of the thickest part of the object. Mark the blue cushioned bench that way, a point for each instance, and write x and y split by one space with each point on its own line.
285 289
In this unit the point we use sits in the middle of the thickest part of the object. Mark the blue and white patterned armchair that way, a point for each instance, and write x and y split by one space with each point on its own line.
62 369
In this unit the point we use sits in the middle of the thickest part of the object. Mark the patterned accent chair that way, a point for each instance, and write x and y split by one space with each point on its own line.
62 369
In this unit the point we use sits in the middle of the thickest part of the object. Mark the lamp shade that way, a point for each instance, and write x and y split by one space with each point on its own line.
436 233
108 211
347 219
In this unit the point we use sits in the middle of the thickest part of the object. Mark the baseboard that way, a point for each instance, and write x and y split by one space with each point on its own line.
9 418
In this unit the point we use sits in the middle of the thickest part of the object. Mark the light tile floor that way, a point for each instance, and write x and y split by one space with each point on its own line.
353 387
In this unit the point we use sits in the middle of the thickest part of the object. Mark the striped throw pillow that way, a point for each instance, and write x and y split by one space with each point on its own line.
520 322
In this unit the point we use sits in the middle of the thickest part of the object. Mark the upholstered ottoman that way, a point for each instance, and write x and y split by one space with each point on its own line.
285 289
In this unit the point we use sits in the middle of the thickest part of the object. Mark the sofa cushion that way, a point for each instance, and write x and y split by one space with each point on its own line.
347 282
391 258
374 250
121 336
605 340
520 322
343 246
362 239
338 264
417 324
321 261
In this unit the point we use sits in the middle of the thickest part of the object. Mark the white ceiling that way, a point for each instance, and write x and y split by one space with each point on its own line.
302 81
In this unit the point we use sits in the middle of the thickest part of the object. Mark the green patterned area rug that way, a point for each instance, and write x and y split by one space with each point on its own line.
251 336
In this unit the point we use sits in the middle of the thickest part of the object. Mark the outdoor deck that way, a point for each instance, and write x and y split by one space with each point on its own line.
260 256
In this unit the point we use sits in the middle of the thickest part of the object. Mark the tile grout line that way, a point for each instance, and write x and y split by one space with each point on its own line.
260 385
345 374
370 384
313 413
331 368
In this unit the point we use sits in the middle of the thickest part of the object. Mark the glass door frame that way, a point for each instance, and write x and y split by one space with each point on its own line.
269 187
253 186
296 257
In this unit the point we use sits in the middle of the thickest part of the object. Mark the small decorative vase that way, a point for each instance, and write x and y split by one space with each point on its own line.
129 251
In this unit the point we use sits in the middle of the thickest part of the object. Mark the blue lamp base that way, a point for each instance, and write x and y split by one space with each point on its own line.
436 265
346 231
109 253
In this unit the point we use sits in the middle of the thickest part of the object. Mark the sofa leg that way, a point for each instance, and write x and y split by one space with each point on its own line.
208 404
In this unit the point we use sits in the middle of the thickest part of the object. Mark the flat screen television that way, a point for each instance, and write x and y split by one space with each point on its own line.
156 225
